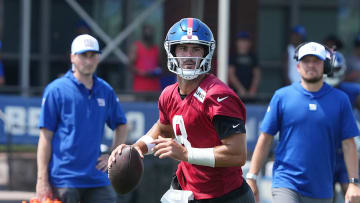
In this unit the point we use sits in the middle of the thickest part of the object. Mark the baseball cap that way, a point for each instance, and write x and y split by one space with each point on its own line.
312 48
300 30
84 43
243 35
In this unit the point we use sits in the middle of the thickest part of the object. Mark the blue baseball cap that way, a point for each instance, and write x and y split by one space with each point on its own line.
300 30
243 35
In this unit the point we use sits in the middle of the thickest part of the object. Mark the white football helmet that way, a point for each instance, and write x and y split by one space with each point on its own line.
338 72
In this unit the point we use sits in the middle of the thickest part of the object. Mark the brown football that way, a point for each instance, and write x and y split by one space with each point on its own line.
126 173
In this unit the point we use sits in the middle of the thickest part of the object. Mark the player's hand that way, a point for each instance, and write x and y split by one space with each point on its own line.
253 185
43 190
102 162
114 153
167 147
353 193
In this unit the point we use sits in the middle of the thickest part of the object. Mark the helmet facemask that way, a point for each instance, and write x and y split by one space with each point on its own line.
202 64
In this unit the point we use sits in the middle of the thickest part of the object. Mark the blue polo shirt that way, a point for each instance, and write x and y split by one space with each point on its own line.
77 117
312 126
351 89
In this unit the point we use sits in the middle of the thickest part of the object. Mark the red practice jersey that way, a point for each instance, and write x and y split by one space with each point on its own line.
192 122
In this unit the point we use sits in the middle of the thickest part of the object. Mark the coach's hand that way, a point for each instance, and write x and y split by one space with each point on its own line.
254 188
43 190
102 162
353 193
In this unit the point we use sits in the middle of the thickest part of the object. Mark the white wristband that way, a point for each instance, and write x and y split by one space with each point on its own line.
201 156
251 176
147 140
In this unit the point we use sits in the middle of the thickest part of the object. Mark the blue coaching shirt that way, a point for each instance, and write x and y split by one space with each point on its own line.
77 118
351 89
312 126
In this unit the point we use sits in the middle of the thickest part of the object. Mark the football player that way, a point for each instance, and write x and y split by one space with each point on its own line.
201 124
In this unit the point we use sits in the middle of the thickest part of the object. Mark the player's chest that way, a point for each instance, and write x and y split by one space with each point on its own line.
190 114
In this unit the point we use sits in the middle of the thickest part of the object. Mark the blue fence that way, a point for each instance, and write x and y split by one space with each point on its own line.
20 115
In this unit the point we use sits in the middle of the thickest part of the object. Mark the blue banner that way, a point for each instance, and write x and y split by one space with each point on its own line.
19 120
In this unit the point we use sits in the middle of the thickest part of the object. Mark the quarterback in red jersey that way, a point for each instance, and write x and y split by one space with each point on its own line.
201 124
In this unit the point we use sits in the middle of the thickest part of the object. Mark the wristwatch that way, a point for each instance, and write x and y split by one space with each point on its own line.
354 180
251 176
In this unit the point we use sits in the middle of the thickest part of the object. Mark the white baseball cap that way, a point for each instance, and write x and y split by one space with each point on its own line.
312 48
84 43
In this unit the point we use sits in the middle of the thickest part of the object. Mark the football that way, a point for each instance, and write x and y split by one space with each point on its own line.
125 174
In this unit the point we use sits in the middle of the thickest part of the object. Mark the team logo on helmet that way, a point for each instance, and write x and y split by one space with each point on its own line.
189 30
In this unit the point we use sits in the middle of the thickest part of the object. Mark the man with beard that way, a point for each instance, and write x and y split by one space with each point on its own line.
313 119
201 123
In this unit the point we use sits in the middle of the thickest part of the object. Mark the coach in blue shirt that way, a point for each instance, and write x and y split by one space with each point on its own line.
313 119
74 111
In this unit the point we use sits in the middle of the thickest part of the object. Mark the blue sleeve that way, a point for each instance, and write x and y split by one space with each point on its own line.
349 127
1 69
50 108
270 123
116 115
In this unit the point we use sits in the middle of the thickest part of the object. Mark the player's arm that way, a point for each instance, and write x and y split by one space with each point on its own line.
43 188
232 152
145 143
232 134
